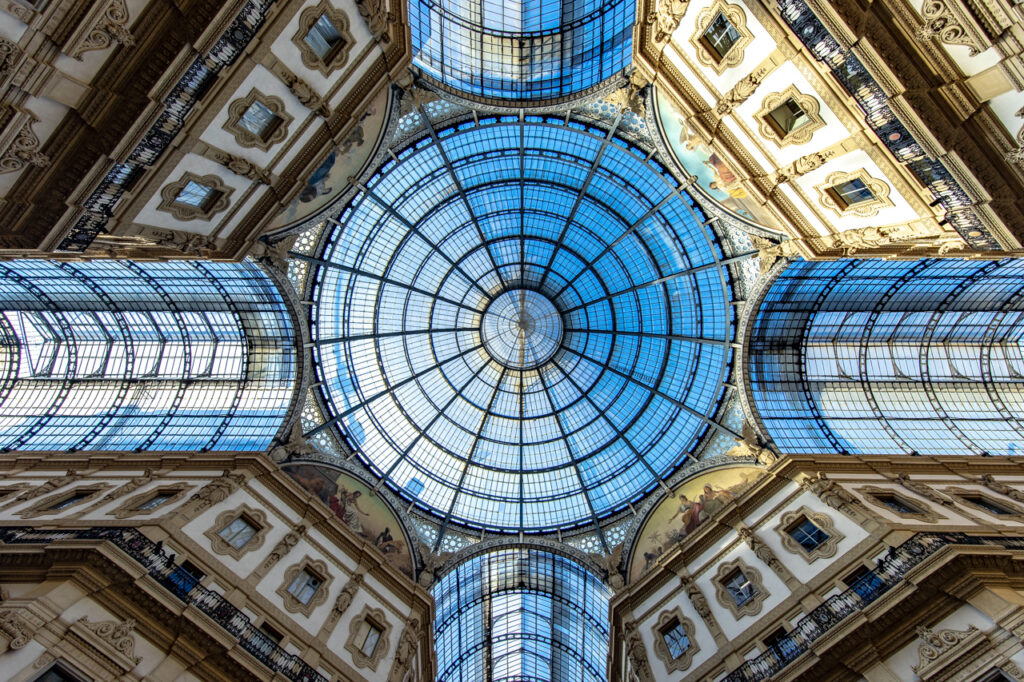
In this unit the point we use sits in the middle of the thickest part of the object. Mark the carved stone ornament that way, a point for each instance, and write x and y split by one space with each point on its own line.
186 242
698 600
19 10
284 546
750 607
316 568
130 487
802 166
741 92
963 497
345 597
49 486
799 135
864 209
951 22
214 492
19 145
762 551
130 507
824 550
666 18
338 55
631 96
14 629
239 166
1001 488
738 18
636 652
871 495
829 492
304 92
922 489
377 18
112 635
405 652
10 53
254 517
751 446
109 27
666 620
43 506
377 619
276 256
245 137
940 649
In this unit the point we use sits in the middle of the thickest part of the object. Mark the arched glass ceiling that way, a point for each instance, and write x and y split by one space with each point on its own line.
532 50
522 324
521 615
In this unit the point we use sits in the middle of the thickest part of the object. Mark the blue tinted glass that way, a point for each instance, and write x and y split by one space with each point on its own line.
522 339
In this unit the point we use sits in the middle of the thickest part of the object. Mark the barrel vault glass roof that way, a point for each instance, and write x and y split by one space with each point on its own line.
521 324
530 50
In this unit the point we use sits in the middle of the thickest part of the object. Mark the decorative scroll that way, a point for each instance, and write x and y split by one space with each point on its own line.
110 27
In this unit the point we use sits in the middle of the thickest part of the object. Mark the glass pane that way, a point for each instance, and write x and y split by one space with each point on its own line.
195 194
787 117
808 535
740 588
258 119
853 192
323 37
238 532
721 35
676 639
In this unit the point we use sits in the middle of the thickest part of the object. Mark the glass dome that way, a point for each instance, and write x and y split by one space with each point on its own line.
532 50
522 325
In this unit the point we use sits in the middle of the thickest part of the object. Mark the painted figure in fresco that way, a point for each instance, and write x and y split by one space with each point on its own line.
346 506
316 185
691 513
712 500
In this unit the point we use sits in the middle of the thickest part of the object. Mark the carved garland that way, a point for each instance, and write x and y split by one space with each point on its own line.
738 18
825 550
255 517
864 209
339 55
661 647
245 137
799 135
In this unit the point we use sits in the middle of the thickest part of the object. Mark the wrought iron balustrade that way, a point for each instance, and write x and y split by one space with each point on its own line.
890 571
185 587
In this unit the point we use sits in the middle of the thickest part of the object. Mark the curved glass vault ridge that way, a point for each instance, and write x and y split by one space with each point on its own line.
122 355
523 615
891 357
522 325
531 50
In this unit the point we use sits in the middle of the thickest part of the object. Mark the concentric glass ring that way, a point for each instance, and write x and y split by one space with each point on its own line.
454 231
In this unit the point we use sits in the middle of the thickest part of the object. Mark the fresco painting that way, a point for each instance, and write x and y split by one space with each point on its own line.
713 174
692 503
366 514
344 161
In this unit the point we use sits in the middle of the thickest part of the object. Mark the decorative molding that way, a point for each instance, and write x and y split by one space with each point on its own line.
15 630
939 650
256 518
636 652
41 508
951 23
217 490
830 492
110 27
339 54
377 18
49 486
318 569
1014 512
128 507
865 209
169 197
738 18
345 597
283 546
303 91
376 617
10 53
23 13
238 165
408 647
1001 488
684 661
130 487
666 17
246 138
111 638
752 606
763 552
800 135
19 145
741 92
825 550
870 494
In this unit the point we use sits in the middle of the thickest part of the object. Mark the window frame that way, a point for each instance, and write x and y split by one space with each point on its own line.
750 607
803 133
254 517
268 138
666 620
830 198
707 53
822 521
317 569
377 618
338 56
182 211
130 506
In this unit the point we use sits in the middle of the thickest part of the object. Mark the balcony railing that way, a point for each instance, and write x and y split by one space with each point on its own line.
185 587
890 571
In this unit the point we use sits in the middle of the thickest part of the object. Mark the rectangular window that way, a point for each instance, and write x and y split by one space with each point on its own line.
154 501
675 638
739 587
71 500
897 504
259 120
787 117
720 36
850 193
780 642
57 674
864 582
238 532
808 535
987 504
304 586
323 38
271 632
368 636
197 195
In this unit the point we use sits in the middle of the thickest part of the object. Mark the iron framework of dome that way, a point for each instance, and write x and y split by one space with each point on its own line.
521 324
529 51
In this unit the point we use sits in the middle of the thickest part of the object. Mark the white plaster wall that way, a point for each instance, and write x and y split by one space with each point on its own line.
773 585
755 52
701 636
1006 107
